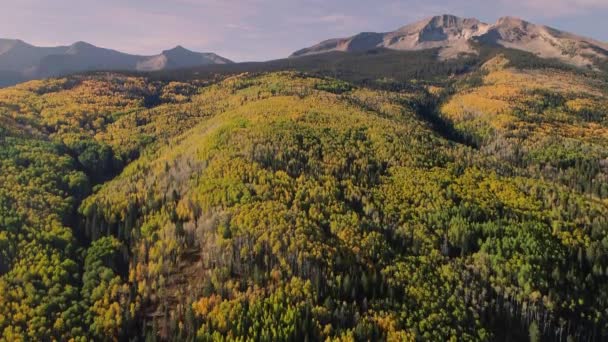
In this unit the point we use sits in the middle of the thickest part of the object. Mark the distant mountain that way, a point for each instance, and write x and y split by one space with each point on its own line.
545 42
454 36
20 61
179 57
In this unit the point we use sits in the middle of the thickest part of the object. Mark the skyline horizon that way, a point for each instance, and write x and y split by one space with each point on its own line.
244 46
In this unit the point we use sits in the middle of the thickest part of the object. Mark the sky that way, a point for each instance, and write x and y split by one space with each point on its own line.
256 30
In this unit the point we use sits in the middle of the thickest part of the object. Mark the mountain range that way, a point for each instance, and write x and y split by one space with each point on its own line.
451 36
455 36
20 61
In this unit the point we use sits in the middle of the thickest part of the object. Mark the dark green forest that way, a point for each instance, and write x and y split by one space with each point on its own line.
339 197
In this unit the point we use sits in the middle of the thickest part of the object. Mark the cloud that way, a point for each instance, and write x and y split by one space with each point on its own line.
336 19
331 22
555 8
240 27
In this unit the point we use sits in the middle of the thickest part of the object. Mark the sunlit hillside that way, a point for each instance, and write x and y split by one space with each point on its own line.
469 205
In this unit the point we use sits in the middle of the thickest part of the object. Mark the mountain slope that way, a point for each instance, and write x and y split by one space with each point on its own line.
281 206
18 56
455 36
82 56
25 61
545 42
179 57
447 32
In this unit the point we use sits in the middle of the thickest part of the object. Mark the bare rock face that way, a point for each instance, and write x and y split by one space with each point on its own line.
439 31
449 33
545 42
446 31
454 36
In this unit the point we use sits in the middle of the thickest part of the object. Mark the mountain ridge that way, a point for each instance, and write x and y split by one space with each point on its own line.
28 62
454 36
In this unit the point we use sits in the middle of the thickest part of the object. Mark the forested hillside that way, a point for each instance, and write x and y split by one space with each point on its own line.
468 205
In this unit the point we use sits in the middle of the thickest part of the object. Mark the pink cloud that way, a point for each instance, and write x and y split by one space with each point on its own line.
556 8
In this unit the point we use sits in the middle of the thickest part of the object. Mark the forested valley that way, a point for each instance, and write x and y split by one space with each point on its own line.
462 204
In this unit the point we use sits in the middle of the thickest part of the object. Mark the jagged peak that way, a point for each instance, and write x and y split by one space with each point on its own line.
441 21
449 20
512 22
